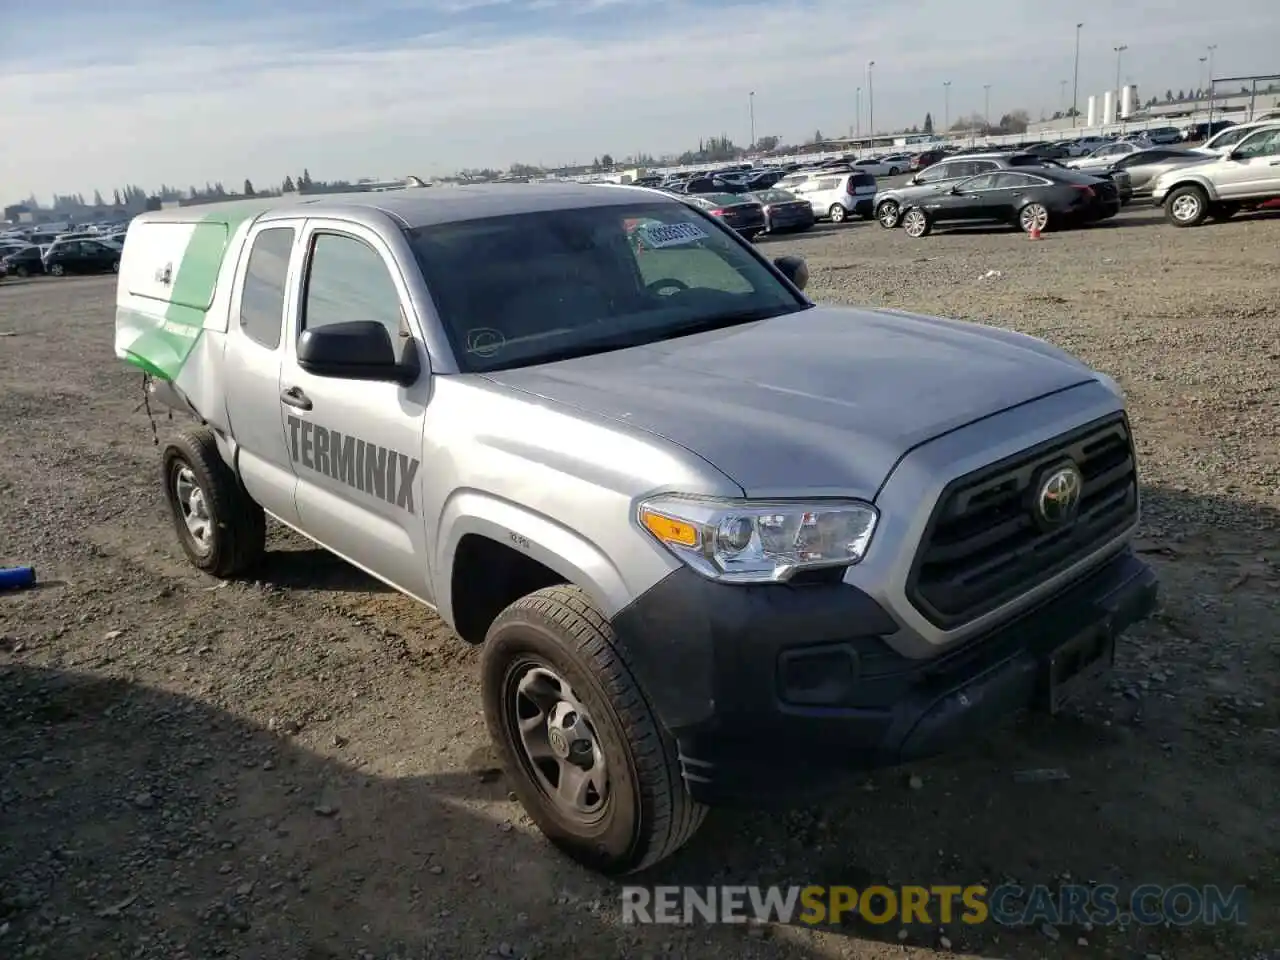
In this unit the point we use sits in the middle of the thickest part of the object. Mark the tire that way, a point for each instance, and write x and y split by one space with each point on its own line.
115 266
21 272
1186 206
916 223
645 813
889 214
894 171
837 213
197 482
56 270
1223 211
1033 215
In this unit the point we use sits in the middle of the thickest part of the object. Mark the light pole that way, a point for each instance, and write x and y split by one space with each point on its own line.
871 104
1062 97
986 110
1211 49
946 109
1200 88
1075 89
857 112
751 102
1119 53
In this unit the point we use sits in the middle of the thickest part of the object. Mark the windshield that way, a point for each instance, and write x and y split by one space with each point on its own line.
773 196
536 287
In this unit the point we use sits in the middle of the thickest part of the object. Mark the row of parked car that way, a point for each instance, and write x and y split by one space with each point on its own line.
1236 169
78 252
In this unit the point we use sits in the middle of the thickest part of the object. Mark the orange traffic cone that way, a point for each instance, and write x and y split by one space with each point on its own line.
1035 232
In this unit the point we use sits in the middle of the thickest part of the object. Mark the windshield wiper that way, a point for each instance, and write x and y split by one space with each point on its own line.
720 320
639 338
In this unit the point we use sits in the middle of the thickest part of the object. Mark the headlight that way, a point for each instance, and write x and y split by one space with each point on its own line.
753 541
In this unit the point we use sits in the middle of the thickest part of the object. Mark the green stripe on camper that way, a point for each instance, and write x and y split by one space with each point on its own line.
158 345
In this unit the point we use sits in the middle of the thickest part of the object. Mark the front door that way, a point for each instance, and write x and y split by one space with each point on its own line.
1252 169
356 445
253 357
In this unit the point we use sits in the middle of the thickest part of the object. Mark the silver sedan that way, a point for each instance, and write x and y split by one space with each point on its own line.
1144 166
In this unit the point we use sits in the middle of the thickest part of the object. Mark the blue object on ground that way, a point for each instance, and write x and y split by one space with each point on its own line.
17 577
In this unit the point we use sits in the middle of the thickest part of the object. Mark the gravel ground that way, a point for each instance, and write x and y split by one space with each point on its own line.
296 767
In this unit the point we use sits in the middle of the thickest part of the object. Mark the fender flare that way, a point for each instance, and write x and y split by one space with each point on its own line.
1195 181
539 537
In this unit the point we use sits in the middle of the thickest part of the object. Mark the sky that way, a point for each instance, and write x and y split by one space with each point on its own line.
101 94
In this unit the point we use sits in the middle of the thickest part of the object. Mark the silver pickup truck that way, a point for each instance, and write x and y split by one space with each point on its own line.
721 544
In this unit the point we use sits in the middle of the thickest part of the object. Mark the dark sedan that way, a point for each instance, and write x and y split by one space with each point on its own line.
23 263
81 256
784 211
738 211
1034 200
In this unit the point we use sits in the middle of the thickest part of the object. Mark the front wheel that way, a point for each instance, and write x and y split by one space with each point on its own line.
221 529
894 171
837 213
57 270
1187 206
586 755
887 213
915 223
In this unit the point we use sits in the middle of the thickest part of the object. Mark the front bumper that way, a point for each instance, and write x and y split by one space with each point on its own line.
772 692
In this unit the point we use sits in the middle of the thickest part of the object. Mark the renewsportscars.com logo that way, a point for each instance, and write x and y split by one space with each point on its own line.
1008 905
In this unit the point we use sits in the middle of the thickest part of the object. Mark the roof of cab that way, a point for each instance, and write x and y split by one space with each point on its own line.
415 206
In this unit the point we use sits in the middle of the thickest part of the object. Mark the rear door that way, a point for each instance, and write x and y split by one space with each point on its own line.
262 297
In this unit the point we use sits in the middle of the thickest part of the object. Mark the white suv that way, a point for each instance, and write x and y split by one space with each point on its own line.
1244 176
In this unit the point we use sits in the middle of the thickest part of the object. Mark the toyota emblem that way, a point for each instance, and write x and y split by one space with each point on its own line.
1058 498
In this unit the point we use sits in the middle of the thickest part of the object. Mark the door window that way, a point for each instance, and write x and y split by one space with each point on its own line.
348 280
943 171
986 181
1264 143
262 299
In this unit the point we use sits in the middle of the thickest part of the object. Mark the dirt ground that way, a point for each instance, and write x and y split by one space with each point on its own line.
296 767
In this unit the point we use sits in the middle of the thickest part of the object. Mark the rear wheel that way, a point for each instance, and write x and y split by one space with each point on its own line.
837 213
894 171
915 223
1223 211
1187 206
1033 217
586 755
57 270
222 530
887 213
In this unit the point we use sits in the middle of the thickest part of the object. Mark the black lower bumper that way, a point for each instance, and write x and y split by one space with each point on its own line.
773 691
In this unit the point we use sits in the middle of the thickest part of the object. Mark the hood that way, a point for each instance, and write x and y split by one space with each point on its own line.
826 400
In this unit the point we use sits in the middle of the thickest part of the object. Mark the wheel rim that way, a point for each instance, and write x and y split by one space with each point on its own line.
1186 207
837 213
558 742
888 214
913 223
56 269
191 500
115 267
1034 217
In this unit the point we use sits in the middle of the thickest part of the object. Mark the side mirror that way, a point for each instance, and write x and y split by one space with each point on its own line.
955 189
358 350
1235 155
794 269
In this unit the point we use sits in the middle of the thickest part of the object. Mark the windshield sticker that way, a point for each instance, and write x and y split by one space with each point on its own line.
658 235
485 341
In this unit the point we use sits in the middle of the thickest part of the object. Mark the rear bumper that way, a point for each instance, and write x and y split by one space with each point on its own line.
772 692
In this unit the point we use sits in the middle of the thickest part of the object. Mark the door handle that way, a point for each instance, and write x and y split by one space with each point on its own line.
294 397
